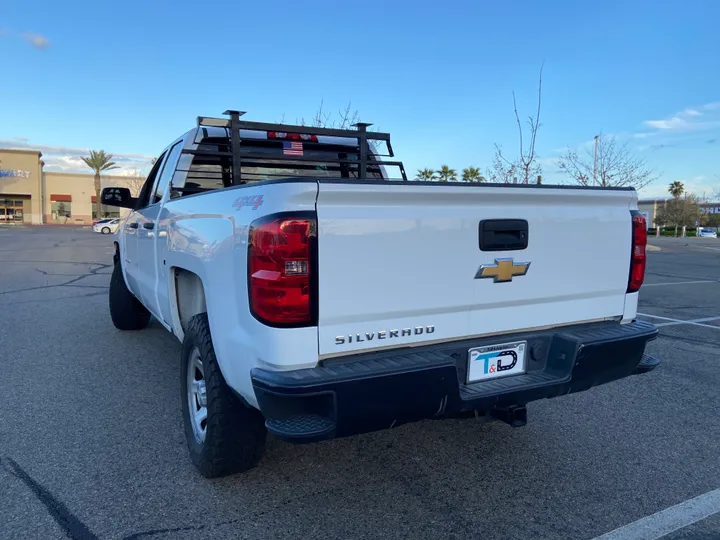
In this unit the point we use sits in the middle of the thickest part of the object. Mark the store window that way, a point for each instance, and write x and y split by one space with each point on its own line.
11 210
107 211
60 207
61 210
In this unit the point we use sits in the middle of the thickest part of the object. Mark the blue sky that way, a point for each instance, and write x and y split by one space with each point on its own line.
129 77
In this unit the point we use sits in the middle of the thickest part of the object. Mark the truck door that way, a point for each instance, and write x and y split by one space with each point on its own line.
154 294
129 236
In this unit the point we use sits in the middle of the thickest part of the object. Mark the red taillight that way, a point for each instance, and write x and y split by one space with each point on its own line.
281 269
638 257
292 136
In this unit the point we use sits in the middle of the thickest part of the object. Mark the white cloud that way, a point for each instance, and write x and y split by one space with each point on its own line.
36 40
671 123
129 172
50 149
68 164
67 159
690 119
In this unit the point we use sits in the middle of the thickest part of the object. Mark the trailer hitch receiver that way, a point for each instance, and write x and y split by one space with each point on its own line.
515 416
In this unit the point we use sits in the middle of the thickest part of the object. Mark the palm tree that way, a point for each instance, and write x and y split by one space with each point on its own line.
99 161
446 174
676 189
472 174
427 175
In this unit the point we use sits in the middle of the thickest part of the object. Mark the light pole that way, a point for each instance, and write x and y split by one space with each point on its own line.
595 161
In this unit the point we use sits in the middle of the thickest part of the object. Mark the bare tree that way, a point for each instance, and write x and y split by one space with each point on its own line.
525 167
134 182
502 171
347 117
344 118
321 119
615 166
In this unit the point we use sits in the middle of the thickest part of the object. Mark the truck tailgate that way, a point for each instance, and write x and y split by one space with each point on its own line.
398 263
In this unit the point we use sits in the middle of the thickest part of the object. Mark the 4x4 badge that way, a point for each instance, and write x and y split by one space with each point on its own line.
503 270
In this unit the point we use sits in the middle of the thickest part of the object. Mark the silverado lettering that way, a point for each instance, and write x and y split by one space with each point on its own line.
386 334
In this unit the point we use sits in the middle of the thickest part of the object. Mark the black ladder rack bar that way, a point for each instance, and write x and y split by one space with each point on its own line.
235 145
234 124
265 157
362 139
289 128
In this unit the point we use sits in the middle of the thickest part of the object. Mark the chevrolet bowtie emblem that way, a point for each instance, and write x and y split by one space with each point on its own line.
503 270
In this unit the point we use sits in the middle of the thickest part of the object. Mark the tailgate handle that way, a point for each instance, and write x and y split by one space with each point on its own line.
503 234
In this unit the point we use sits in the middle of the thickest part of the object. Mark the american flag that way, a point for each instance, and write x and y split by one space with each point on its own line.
293 148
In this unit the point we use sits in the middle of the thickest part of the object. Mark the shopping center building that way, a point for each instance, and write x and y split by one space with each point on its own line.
30 195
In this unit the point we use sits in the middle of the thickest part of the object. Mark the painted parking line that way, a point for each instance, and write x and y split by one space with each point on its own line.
695 322
673 322
680 283
669 520
709 248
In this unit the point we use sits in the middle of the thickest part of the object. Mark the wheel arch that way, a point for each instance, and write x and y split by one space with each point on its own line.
187 299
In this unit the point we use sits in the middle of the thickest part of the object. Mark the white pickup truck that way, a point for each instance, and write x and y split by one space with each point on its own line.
316 298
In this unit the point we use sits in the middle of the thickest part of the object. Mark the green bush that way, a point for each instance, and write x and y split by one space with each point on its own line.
670 231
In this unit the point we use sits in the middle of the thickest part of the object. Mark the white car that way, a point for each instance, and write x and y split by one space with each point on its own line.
316 298
106 226
706 233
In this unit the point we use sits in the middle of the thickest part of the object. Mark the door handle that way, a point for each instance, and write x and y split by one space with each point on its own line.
133 225
148 225
503 234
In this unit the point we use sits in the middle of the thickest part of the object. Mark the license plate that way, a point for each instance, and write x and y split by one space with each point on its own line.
494 361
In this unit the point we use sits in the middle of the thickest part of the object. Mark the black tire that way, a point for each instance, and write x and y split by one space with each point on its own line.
126 311
234 437
105 230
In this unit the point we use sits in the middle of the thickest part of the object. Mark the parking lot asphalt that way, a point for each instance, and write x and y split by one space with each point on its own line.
92 445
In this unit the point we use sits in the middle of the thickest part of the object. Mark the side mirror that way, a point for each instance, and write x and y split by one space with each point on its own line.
118 196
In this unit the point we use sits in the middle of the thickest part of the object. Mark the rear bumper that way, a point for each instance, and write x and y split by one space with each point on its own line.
372 391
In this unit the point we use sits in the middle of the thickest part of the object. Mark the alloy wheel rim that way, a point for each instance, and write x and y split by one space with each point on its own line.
197 395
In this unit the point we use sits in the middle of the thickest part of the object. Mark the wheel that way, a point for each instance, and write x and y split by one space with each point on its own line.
105 230
126 311
224 436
